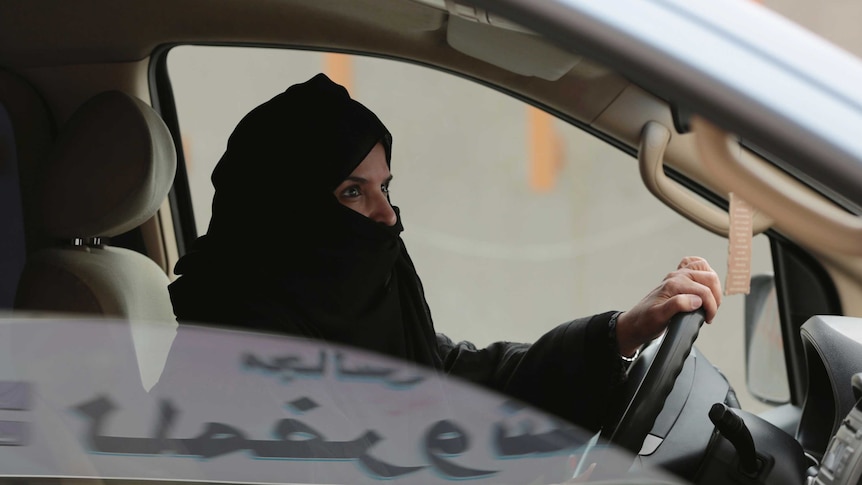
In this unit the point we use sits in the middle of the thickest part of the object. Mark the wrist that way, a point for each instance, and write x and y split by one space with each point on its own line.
628 348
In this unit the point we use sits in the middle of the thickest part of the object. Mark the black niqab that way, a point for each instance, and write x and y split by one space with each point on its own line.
282 254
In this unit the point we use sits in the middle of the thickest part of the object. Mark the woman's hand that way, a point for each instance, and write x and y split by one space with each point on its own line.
693 285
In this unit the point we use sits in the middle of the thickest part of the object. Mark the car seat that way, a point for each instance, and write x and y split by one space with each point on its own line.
110 170
26 134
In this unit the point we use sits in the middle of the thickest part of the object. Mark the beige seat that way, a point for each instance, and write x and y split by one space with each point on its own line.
110 170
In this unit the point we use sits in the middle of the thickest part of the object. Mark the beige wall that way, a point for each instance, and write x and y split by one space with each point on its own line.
834 20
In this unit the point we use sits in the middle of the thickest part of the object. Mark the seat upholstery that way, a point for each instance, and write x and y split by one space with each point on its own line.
109 171
11 214
26 133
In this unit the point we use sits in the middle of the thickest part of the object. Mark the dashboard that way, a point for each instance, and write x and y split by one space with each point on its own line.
830 429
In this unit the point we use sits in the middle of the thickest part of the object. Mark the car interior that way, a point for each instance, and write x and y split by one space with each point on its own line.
97 207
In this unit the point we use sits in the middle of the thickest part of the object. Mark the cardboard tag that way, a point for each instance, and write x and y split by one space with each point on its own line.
738 279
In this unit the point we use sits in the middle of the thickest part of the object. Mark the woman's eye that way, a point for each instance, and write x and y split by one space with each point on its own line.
351 192
385 188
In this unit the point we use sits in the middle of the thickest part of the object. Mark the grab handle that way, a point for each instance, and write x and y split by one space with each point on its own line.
653 143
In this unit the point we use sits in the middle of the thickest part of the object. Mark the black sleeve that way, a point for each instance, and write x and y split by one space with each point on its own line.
568 372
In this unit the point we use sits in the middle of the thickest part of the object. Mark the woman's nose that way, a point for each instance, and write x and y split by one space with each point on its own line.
382 211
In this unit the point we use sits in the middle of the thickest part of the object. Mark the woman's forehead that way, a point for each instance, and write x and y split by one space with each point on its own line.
373 166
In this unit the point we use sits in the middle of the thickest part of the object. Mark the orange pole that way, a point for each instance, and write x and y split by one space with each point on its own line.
339 68
543 150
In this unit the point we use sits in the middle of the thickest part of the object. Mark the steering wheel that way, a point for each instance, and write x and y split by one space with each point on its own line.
650 392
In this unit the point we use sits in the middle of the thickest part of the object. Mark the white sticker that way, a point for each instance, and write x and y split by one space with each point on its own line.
738 279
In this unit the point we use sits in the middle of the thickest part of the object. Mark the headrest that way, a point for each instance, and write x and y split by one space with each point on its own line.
111 169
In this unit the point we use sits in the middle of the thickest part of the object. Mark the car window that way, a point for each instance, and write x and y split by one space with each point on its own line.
516 221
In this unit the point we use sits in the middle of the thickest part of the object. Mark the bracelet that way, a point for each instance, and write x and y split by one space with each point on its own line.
632 358
613 326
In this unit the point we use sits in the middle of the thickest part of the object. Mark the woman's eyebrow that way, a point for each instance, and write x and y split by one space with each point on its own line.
362 180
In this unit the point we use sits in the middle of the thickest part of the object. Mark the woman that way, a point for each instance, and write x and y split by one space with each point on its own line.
315 164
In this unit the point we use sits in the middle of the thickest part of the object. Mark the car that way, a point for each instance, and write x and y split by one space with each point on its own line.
552 158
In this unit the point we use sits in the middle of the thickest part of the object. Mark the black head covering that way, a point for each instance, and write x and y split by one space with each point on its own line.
282 254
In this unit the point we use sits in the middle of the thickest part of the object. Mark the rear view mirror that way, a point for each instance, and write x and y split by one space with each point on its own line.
766 368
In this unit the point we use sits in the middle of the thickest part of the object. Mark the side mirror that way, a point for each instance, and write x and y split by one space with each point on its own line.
766 369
